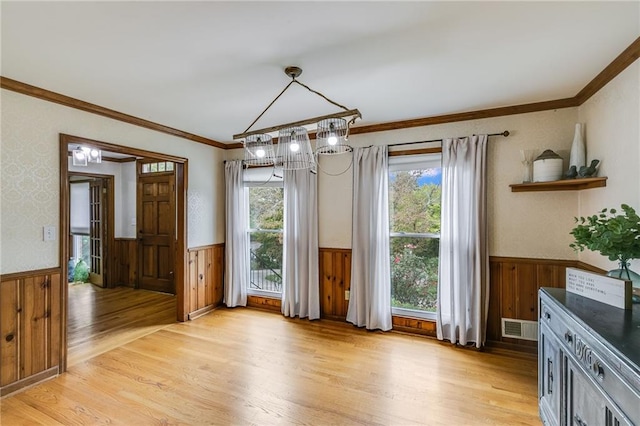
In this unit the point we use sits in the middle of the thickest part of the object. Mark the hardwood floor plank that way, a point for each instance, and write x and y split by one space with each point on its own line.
245 366
102 319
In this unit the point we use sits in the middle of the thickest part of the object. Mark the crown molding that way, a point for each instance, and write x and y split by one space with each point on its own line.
47 95
619 64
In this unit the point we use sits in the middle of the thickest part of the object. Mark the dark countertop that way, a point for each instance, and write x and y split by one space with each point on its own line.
619 328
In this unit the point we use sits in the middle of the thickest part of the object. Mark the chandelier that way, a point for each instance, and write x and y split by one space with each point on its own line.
83 155
294 148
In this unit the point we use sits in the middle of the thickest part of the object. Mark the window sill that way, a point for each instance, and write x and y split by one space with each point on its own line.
265 294
413 314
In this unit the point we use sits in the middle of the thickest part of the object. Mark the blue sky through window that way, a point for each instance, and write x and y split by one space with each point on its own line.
431 176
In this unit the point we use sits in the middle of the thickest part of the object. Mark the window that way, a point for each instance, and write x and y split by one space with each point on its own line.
158 167
415 187
266 214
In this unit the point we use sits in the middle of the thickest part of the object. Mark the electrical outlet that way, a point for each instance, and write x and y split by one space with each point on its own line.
347 293
49 233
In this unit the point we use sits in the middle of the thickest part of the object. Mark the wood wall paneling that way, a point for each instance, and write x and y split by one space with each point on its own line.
205 278
9 326
125 262
30 327
514 285
335 279
265 303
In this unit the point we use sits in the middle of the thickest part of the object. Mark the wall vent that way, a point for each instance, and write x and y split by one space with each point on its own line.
519 329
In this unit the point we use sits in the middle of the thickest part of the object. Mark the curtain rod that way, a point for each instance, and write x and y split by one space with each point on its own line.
505 134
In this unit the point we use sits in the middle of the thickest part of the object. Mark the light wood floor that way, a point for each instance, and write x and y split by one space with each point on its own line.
103 319
244 366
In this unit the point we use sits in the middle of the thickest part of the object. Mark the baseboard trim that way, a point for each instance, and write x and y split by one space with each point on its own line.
28 381
200 312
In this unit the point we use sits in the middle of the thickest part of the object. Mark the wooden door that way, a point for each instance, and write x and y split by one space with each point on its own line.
156 217
97 228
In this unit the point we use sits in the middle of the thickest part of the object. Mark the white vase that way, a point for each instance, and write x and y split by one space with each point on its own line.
578 155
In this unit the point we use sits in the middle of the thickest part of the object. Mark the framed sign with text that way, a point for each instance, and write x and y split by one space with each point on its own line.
612 291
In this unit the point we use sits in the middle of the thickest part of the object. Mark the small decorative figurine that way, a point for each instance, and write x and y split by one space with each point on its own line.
571 173
588 171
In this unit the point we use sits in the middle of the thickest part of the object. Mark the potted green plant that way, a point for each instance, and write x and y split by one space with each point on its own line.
613 234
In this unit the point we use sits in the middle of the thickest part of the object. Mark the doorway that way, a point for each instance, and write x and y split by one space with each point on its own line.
91 216
174 261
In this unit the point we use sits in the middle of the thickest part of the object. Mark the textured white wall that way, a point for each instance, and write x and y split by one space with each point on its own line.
30 176
533 224
612 118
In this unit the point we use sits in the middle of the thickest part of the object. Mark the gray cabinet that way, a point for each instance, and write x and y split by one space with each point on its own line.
588 357
549 360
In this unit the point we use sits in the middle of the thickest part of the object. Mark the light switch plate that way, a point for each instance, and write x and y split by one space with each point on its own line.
49 233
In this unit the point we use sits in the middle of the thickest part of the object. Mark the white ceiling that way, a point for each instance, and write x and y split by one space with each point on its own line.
210 68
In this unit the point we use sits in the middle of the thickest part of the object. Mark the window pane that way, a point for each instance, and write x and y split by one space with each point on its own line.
414 207
161 166
169 166
145 168
266 207
414 272
153 167
265 254
415 201
265 247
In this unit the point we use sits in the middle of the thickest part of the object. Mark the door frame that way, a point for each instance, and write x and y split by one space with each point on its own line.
109 244
181 261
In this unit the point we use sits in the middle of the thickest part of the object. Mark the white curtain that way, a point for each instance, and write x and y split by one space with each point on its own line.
300 280
463 285
236 239
370 297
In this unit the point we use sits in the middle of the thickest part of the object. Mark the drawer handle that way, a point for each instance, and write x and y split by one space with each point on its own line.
550 376
598 370
568 337
547 315
579 421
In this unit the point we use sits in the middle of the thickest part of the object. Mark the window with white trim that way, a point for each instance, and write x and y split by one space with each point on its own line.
415 188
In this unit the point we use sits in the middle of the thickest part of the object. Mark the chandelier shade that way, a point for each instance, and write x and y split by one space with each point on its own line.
331 136
294 149
259 150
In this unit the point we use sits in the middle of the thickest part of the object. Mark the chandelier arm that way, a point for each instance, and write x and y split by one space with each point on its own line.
349 113
269 106
320 94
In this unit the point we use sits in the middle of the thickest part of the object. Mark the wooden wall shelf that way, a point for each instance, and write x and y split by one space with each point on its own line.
561 185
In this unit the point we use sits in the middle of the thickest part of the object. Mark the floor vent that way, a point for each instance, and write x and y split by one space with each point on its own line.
519 329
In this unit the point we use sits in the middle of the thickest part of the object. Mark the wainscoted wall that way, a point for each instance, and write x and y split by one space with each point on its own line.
335 280
206 279
266 303
514 285
30 321
125 262
514 288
